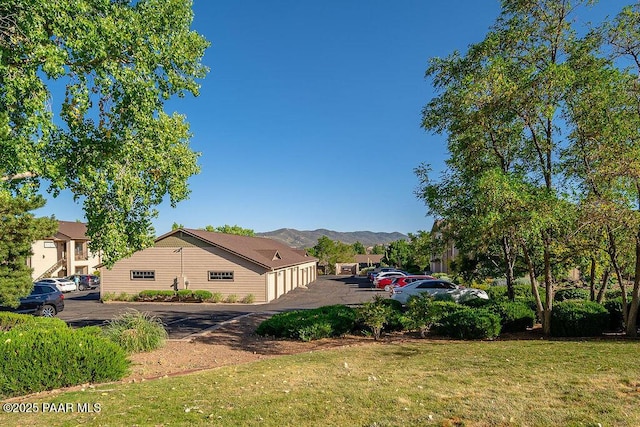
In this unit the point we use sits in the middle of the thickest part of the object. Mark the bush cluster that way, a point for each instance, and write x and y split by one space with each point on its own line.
47 355
376 314
469 323
515 316
307 325
571 294
136 332
575 318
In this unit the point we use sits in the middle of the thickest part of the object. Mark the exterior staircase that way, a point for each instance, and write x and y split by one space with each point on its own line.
55 267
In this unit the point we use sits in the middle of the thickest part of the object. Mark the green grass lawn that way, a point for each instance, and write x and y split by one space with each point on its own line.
443 383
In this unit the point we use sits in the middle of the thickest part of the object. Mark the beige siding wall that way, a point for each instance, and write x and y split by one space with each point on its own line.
43 257
195 263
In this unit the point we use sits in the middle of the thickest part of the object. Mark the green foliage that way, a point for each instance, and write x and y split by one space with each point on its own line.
248 299
571 293
310 324
398 254
469 323
574 318
108 296
514 316
216 297
202 295
136 332
331 252
18 230
107 138
184 294
231 229
423 312
377 250
375 314
9 320
616 317
45 359
359 248
231 298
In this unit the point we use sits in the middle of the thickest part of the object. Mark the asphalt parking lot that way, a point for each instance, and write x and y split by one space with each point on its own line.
183 320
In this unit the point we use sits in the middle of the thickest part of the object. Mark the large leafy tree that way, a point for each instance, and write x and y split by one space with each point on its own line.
502 107
106 136
330 252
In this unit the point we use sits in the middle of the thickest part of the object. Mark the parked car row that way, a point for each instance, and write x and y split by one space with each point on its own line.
436 287
75 282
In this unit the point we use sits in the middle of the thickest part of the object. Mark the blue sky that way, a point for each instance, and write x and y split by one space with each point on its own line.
310 115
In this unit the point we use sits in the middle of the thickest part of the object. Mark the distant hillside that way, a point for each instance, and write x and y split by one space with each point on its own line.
307 239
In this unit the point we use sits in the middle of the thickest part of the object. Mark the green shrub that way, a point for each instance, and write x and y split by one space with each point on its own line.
616 317
571 293
469 323
299 324
231 298
575 318
375 314
41 323
477 302
44 359
148 294
216 297
136 332
184 294
315 331
514 316
202 295
423 313
92 330
249 299
108 296
9 320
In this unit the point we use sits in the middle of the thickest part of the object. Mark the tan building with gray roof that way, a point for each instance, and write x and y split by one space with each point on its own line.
216 262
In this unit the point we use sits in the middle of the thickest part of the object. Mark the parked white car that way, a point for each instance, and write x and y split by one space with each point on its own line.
64 285
387 274
436 287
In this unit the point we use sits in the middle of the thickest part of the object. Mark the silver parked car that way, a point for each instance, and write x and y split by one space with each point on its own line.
436 287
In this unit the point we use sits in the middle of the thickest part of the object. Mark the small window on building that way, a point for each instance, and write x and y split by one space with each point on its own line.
143 275
221 275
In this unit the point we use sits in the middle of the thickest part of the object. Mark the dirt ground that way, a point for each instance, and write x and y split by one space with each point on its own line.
233 343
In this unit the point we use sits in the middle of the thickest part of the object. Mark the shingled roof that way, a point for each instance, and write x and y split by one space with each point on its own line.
72 230
265 252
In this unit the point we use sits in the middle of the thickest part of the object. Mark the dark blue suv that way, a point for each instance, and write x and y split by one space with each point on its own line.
44 300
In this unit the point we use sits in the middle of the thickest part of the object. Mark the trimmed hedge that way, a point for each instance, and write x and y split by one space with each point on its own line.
569 294
515 316
576 318
25 322
469 323
307 325
44 359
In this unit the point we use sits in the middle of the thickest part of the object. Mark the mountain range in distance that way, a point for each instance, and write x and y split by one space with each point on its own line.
309 238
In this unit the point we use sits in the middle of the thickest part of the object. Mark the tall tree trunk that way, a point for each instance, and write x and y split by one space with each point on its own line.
613 255
632 317
548 283
605 285
534 282
509 261
592 280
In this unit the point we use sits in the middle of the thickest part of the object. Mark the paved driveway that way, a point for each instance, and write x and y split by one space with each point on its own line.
182 320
